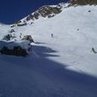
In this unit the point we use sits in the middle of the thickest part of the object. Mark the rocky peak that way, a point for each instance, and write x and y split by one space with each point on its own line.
83 2
45 11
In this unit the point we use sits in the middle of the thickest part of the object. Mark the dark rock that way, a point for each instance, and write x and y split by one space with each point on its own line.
21 48
89 10
44 11
17 51
12 30
28 37
83 2
7 37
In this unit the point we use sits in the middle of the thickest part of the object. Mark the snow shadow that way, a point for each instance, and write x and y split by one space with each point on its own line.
38 76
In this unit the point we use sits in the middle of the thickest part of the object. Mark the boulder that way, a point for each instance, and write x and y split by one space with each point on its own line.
7 37
15 48
28 37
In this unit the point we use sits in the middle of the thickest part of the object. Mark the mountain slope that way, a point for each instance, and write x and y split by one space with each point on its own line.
62 62
4 30
74 31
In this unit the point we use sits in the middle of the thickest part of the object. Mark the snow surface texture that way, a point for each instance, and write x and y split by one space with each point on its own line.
62 63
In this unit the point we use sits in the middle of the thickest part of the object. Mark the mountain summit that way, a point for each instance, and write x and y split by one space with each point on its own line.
83 2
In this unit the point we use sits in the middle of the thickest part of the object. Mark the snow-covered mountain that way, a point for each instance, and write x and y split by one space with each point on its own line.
63 62
74 31
46 11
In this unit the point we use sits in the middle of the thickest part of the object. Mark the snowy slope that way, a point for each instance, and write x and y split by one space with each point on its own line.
62 63
4 29
74 36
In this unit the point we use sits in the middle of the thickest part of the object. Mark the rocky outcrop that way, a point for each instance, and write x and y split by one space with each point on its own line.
22 48
17 51
28 37
45 11
83 2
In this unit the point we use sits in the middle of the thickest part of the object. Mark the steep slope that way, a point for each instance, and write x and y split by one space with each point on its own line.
46 11
63 61
74 36
73 30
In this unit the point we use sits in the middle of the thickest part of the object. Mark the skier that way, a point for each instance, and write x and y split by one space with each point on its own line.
52 35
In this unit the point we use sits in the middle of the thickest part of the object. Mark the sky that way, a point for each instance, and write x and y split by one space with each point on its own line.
14 10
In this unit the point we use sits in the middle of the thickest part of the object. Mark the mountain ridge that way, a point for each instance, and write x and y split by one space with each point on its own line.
46 11
83 2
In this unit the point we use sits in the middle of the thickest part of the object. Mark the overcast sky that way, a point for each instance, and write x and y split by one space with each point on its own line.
13 10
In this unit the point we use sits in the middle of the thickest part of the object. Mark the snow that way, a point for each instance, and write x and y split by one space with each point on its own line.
60 66
3 30
73 46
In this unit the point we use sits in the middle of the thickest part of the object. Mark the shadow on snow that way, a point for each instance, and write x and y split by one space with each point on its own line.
37 76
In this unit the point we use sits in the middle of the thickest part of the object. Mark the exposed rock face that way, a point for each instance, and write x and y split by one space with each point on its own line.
7 37
45 11
22 48
28 37
12 30
17 51
83 2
